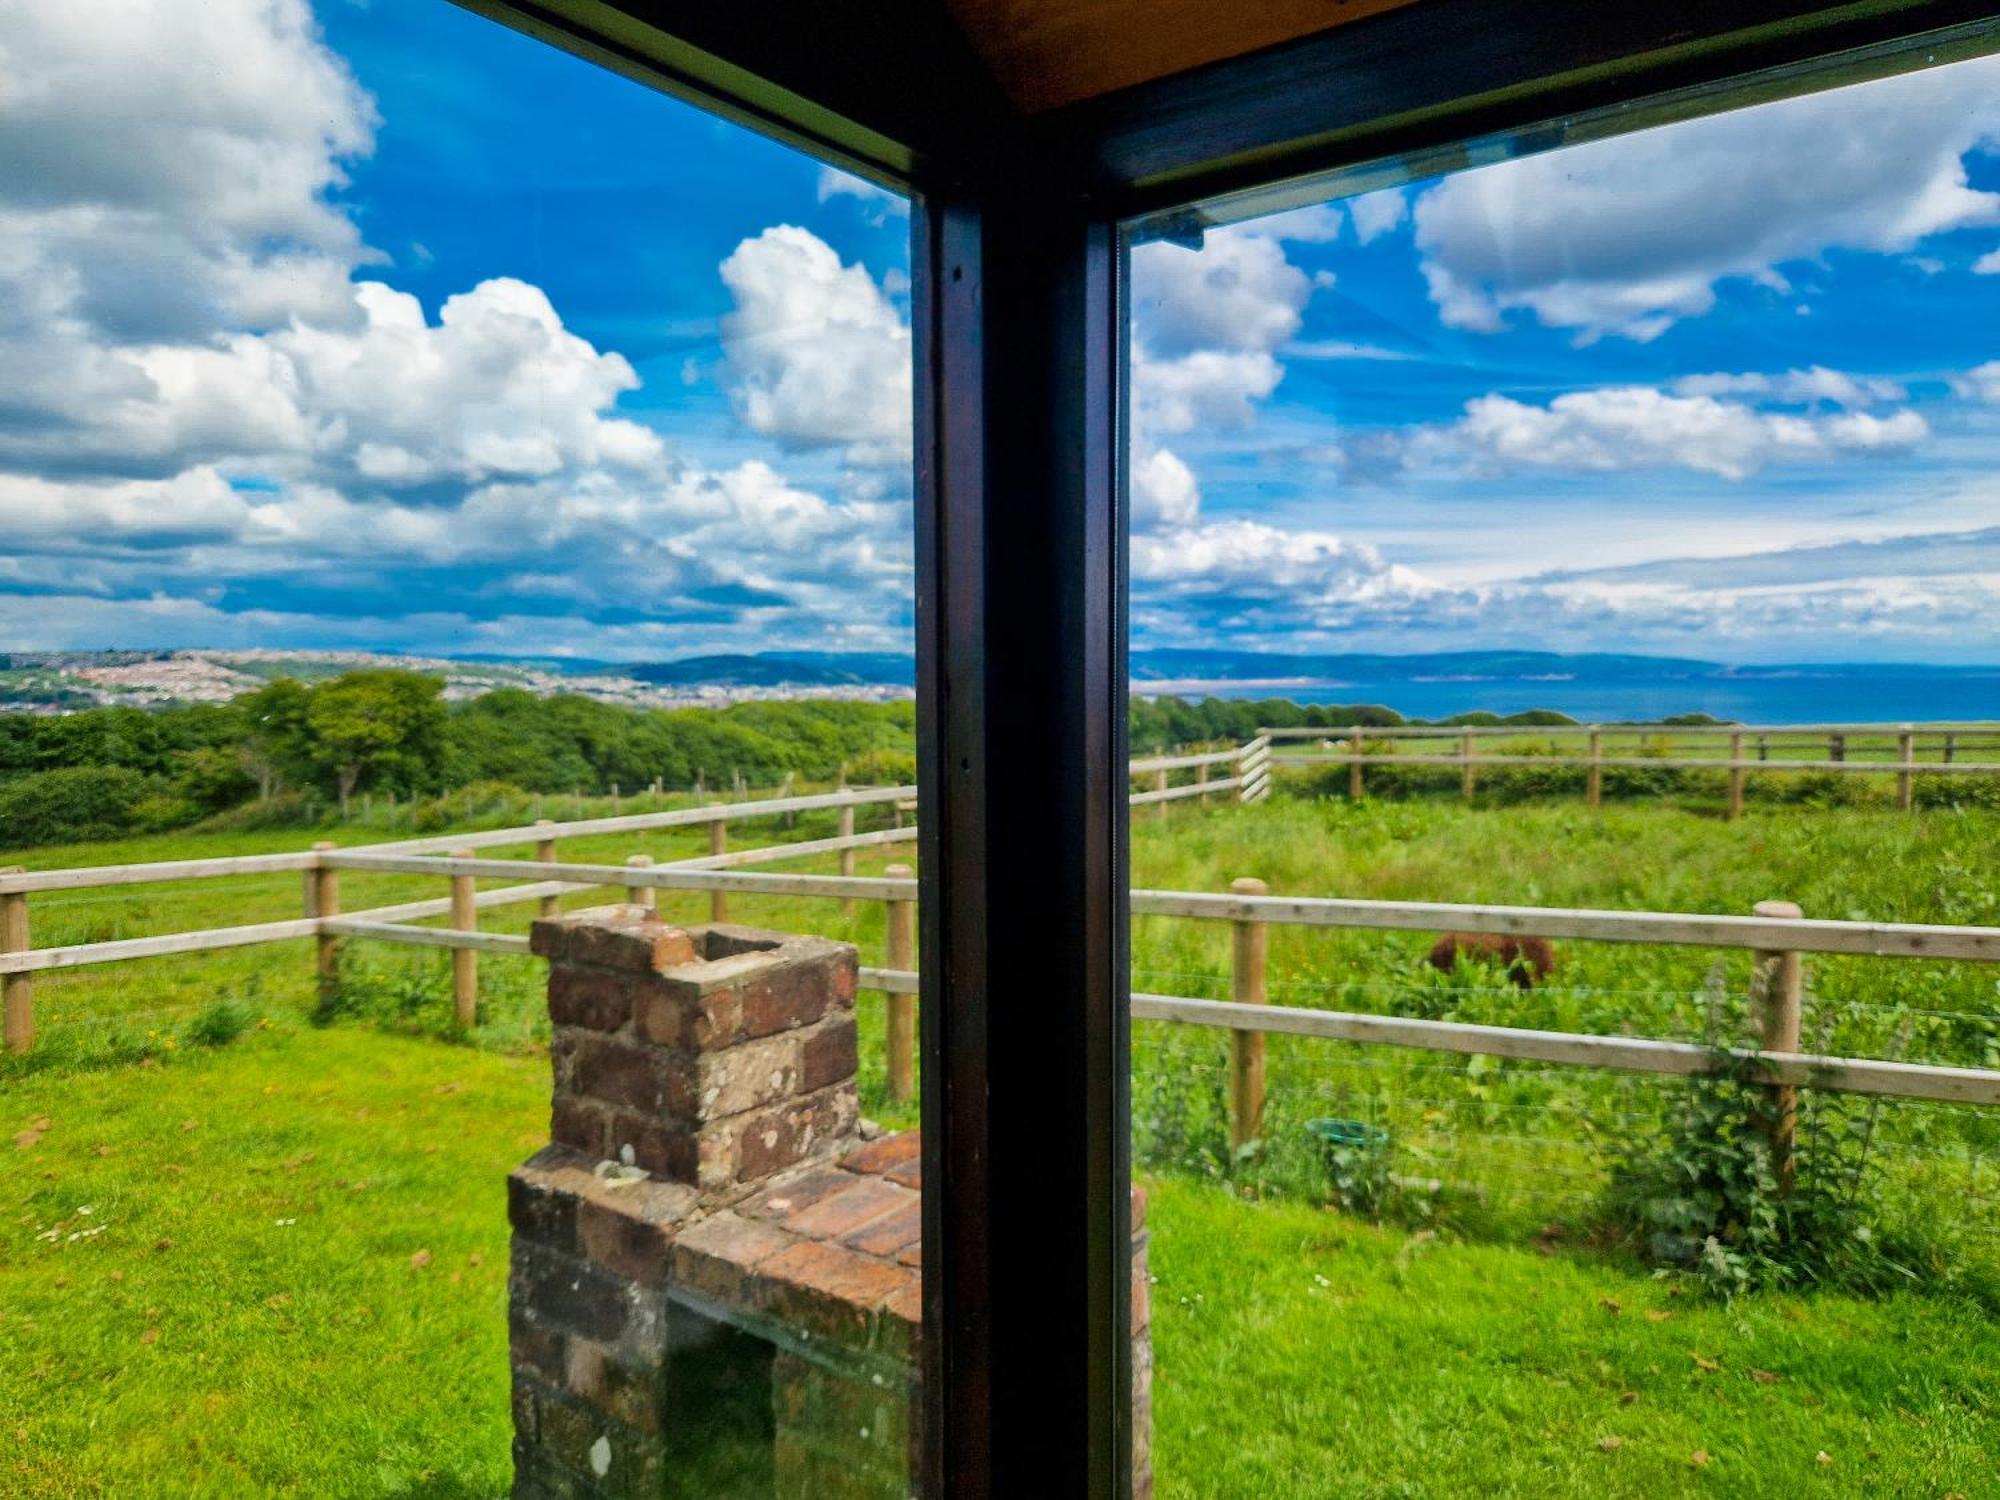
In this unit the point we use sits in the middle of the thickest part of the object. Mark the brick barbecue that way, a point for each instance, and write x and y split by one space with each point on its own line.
716 1287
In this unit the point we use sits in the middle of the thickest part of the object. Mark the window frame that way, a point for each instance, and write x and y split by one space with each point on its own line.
1020 227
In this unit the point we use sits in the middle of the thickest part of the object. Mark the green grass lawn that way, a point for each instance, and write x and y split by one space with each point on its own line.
1300 1351
1303 1354
278 1267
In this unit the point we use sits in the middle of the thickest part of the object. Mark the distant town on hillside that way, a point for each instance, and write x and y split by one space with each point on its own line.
1608 686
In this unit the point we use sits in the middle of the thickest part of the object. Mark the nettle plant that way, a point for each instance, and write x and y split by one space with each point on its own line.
1701 1195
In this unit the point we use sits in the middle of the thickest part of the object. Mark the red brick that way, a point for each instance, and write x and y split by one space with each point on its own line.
912 1255
853 1208
592 1375
705 1086
890 1151
793 1193
901 1323
826 1290
718 1257
629 939
624 1243
785 1134
570 1294
664 1013
894 1232
579 1124
589 998
830 1053
846 979
619 1075
540 1206
534 1345
1138 1208
568 1432
794 996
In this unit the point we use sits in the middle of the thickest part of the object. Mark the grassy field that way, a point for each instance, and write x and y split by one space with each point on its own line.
290 1278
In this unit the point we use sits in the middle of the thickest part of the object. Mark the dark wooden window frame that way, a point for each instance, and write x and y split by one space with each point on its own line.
1019 316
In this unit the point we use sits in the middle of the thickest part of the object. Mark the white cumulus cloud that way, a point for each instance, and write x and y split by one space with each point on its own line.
1640 427
818 353
1628 235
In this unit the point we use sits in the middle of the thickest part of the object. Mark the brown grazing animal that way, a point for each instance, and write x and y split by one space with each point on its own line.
1526 959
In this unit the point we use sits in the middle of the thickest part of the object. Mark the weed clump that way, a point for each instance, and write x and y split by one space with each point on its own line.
219 1023
1704 1193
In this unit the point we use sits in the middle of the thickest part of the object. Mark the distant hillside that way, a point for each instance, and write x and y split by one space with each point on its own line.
1237 666
779 668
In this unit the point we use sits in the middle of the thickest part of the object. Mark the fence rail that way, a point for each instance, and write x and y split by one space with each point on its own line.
455 858
1449 731
1775 934
1947 740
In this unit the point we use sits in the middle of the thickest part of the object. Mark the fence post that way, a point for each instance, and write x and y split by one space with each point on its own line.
19 989
1354 766
1160 785
1763 747
718 843
1950 748
1735 776
1471 776
902 955
1906 753
1594 785
641 895
1201 779
1836 747
1777 988
545 851
847 857
464 962
1246 1048
325 902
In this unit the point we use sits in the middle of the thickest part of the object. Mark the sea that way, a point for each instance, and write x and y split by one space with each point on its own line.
1856 694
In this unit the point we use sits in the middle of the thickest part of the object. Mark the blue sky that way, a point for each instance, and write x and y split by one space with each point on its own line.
378 325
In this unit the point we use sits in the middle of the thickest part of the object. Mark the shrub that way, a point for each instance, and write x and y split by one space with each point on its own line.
883 768
77 803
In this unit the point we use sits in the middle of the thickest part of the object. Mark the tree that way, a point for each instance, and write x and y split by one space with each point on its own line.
378 726
274 743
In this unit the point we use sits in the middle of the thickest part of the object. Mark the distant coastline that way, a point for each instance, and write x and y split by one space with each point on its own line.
1607 687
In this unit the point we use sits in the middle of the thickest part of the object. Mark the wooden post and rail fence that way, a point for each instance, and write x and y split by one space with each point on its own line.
1368 747
1775 935
324 921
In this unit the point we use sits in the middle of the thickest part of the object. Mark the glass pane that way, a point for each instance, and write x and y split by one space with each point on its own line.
1600 543
416 443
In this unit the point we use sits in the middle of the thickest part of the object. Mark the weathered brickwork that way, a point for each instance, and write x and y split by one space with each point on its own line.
744 1320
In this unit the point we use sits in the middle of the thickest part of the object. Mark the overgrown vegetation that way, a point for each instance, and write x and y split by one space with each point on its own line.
1706 1194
